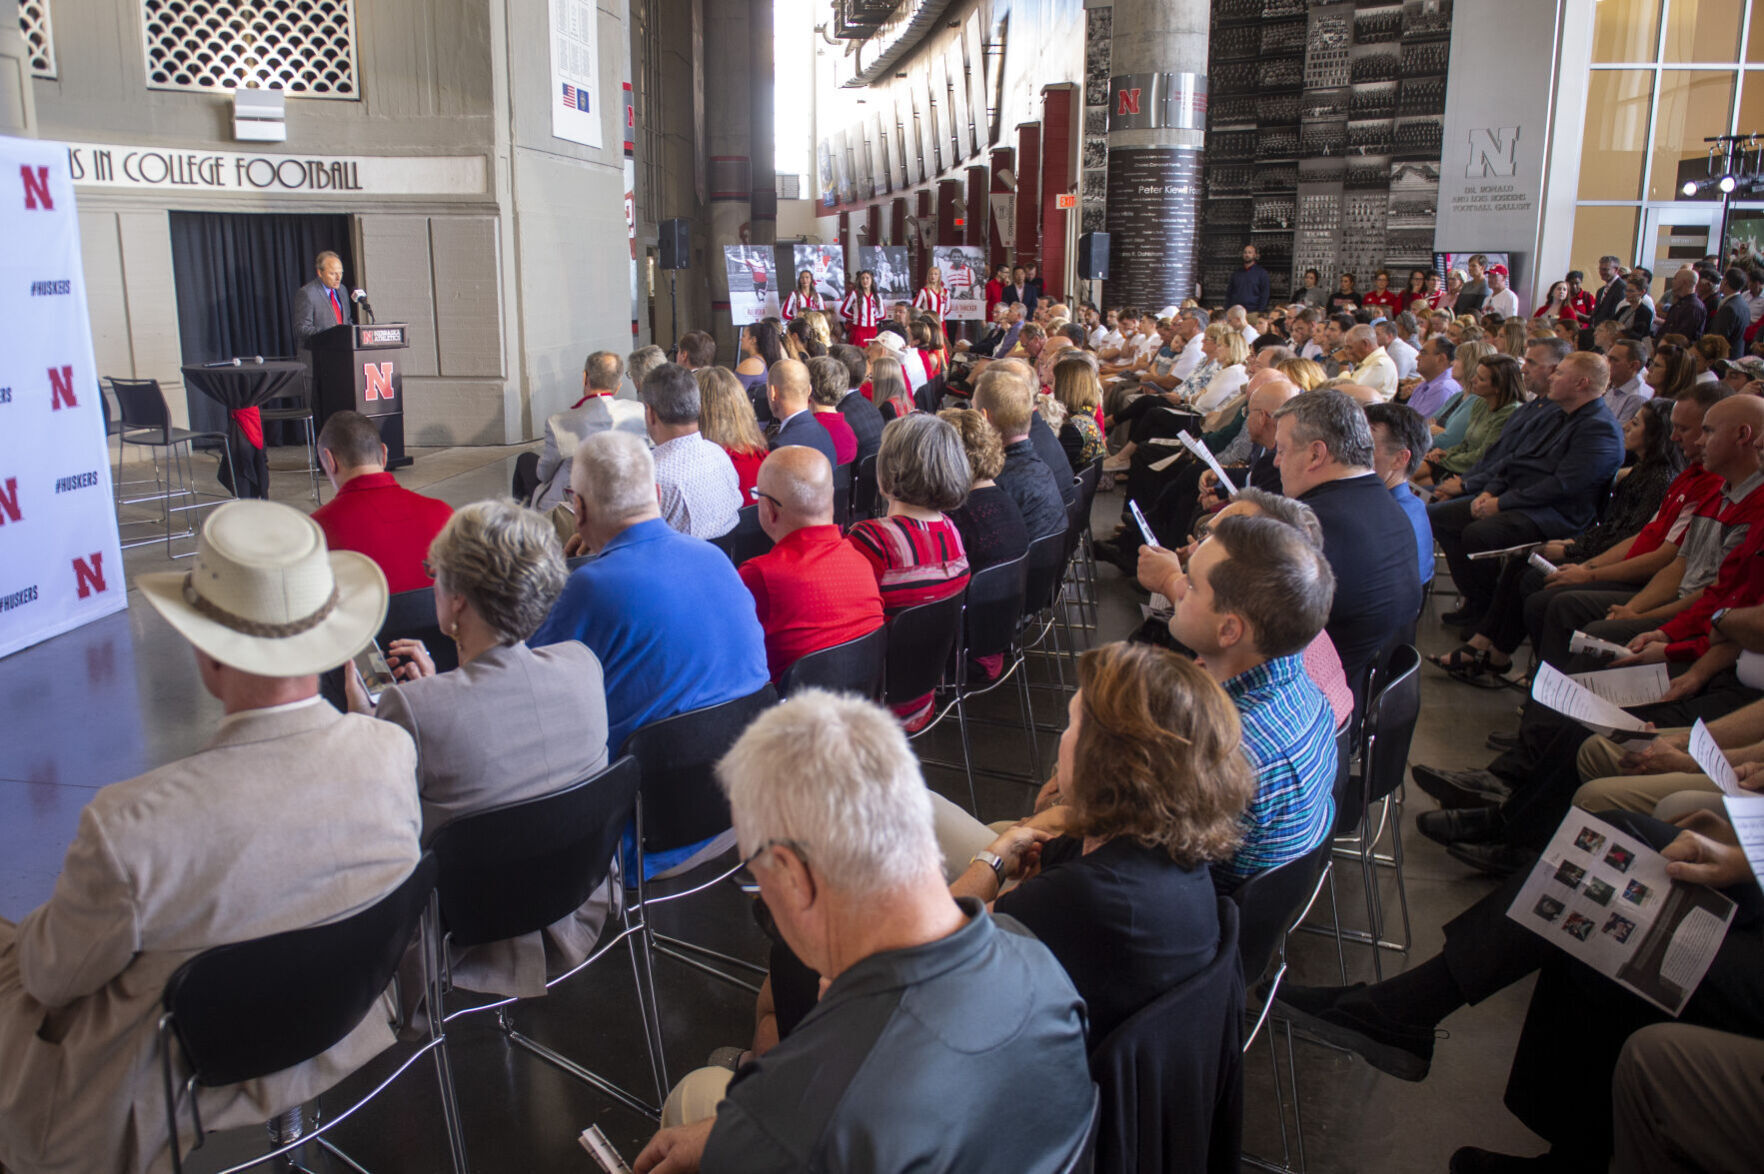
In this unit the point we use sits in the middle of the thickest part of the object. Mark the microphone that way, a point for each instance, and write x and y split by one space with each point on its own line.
360 298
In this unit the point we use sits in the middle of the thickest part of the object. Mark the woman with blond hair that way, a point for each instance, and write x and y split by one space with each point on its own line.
725 418
1227 350
888 386
1077 390
1306 374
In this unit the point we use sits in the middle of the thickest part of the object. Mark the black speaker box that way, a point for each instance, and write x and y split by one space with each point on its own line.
676 244
1093 256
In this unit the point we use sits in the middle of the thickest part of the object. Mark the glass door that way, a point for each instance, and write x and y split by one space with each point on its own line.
1677 234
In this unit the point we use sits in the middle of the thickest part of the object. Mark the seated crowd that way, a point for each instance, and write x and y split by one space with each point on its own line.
1286 475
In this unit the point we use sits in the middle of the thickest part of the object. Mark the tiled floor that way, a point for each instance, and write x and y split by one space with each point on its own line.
119 696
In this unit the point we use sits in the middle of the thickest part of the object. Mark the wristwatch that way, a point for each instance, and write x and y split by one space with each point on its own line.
1716 617
991 860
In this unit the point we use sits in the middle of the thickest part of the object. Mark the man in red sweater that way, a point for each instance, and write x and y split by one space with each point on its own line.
812 590
372 514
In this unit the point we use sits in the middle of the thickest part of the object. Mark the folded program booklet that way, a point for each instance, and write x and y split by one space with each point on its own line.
1605 898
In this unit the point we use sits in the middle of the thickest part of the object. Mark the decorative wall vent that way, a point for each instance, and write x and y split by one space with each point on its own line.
305 48
39 35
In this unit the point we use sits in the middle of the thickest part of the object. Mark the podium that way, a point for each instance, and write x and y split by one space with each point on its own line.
360 368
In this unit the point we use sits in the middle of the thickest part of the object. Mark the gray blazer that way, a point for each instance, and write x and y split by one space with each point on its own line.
514 724
564 433
286 819
313 311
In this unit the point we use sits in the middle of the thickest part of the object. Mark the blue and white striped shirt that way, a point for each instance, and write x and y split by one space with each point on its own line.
1289 738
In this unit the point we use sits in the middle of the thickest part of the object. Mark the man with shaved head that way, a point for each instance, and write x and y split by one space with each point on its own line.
813 589
787 392
1542 481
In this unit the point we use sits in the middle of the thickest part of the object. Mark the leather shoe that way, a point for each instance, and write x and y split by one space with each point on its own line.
1347 1018
1472 825
1460 788
1473 1160
1501 743
1502 860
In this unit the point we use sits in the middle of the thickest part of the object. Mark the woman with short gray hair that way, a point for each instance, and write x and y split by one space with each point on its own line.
511 723
915 550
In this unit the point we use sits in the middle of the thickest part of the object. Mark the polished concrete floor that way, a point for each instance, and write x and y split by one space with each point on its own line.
119 696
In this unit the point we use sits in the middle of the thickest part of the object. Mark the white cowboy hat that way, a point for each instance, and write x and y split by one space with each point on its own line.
266 597
892 341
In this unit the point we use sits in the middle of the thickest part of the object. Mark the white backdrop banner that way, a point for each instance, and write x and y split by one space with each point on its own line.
60 560
964 275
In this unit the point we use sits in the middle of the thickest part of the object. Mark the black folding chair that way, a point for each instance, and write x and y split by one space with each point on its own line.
852 667
921 645
296 408
146 423
842 480
746 540
244 1011
680 804
1045 568
864 492
1171 1076
410 615
1271 904
513 870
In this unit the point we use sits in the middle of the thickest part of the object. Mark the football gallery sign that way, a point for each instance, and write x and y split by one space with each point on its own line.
894 280
575 70
964 275
60 558
753 283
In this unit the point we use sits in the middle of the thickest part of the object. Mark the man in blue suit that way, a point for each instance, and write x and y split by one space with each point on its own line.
787 391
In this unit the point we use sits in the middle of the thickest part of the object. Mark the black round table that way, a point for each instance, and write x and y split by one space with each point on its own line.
240 390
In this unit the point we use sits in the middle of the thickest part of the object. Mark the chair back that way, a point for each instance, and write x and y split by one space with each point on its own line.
1088 478
245 1010
921 640
842 478
855 666
747 540
995 606
864 492
1270 902
1045 566
142 405
1393 704
1349 790
517 868
410 615
680 801
1171 1076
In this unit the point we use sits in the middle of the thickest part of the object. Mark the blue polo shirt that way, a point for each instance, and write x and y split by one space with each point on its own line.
1289 739
672 624
1416 509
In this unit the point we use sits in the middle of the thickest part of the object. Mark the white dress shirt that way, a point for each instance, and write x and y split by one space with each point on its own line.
1189 359
696 484
1377 372
1403 355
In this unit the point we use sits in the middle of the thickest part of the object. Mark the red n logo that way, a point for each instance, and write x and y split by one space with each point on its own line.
9 501
1129 101
379 381
61 388
90 574
36 185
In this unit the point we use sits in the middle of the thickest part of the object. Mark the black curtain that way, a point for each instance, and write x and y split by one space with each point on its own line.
237 275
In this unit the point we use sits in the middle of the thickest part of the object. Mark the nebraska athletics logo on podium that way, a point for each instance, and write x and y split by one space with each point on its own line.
376 381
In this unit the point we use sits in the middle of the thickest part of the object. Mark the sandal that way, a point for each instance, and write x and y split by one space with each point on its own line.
1463 661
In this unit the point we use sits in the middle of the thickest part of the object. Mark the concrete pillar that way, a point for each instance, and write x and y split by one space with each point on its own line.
1157 123
1027 244
728 125
18 110
763 222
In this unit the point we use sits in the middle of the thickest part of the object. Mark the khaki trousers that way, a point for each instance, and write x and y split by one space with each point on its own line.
1687 1100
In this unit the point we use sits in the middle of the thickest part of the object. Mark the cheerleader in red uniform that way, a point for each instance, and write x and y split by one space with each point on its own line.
933 299
804 297
862 310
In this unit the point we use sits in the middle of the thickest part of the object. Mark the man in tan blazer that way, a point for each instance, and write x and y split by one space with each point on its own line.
293 815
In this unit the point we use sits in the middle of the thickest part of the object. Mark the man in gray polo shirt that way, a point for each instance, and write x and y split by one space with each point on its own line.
944 1039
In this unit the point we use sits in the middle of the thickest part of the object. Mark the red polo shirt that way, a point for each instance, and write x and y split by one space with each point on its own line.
374 515
811 591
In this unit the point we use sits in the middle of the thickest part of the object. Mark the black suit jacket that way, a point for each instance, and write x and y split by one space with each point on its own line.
866 423
313 311
805 430
1730 322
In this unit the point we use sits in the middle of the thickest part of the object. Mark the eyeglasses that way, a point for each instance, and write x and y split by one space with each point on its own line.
793 845
429 568
757 493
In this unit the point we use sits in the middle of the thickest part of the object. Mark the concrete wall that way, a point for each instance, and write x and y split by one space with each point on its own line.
506 291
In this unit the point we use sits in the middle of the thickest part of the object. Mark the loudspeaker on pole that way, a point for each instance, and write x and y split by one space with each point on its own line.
676 244
1093 256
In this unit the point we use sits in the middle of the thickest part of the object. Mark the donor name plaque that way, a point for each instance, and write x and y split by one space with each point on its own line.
99 165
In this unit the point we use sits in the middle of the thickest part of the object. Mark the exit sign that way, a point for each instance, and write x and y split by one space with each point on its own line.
1066 200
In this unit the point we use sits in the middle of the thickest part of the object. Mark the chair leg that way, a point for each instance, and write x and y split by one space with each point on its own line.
967 753
642 972
312 461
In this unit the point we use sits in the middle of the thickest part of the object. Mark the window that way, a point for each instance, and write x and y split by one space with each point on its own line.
33 22
305 48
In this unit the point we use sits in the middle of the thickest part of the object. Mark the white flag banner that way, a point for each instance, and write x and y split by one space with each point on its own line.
60 558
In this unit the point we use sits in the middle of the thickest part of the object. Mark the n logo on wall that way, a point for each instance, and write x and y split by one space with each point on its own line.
378 378
1494 151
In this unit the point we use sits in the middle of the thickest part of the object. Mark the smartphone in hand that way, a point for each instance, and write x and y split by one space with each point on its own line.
1145 529
376 675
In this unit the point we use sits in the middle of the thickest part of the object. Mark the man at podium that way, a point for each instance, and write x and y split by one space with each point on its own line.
322 303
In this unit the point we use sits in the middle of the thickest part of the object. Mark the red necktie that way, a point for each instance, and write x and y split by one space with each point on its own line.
337 306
